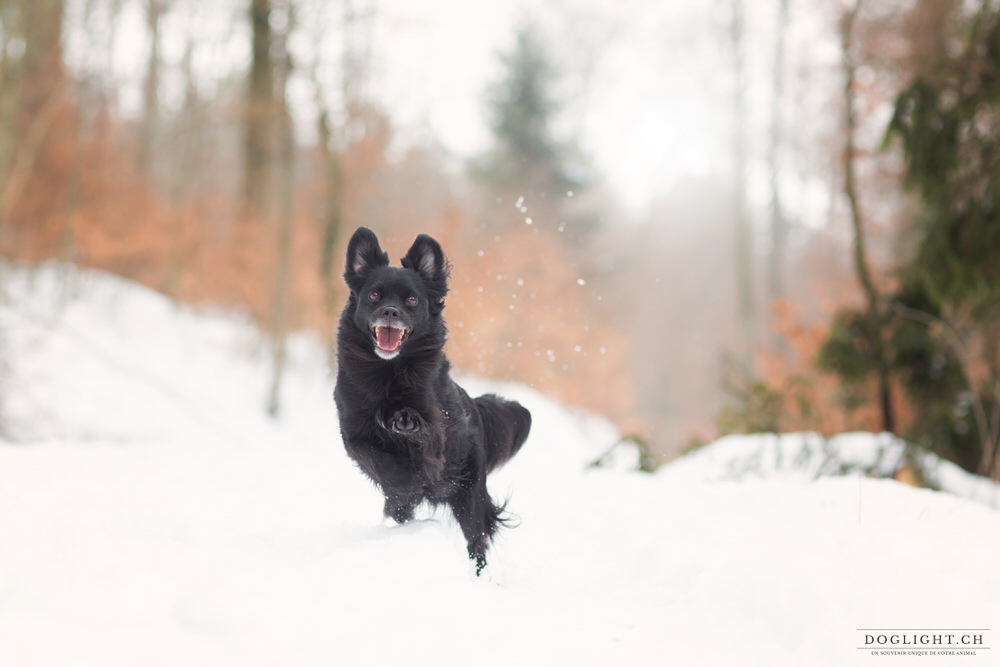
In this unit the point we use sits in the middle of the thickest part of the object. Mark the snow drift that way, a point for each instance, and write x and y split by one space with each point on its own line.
150 514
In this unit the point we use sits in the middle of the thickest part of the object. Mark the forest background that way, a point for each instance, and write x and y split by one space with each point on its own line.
695 218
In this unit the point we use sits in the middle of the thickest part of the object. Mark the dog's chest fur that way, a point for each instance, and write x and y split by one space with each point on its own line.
395 409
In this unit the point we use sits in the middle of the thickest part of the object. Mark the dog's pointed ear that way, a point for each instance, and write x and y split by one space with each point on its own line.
363 254
426 258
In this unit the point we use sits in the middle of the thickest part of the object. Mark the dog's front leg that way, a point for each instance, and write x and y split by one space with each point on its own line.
392 471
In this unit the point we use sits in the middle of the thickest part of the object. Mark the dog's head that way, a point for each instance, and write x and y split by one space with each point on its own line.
395 306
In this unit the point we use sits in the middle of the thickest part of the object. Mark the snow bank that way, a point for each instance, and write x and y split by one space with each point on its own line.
810 456
151 515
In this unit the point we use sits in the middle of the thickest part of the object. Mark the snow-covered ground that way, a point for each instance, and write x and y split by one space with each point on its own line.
151 514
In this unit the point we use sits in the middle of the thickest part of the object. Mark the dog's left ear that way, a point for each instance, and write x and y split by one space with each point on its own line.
426 258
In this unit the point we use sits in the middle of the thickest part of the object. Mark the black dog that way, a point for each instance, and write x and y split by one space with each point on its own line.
406 424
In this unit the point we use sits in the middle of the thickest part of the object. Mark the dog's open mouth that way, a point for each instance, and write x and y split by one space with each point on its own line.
388 339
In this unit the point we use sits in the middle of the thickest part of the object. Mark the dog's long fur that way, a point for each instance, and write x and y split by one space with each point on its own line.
404 421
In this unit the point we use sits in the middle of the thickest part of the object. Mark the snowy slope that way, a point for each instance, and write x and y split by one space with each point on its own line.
810 456
150 514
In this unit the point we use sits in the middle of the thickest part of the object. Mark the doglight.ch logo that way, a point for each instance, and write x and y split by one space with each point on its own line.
916 642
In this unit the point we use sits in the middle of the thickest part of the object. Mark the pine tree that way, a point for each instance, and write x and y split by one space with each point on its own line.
948 123
526 159
939 332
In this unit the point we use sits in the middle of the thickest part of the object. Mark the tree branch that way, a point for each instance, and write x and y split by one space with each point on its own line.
989 429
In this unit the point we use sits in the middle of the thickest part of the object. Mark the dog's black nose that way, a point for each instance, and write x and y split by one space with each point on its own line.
390 312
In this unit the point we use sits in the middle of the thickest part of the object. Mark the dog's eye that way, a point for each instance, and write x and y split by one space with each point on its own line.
374 295
412 301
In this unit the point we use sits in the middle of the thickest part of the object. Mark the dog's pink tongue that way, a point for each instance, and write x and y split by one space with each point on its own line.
389 337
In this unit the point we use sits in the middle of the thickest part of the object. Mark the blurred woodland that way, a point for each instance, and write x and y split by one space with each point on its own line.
838 270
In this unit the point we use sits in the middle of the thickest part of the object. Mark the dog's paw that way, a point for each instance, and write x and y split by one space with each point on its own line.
399 510
406 422
480 560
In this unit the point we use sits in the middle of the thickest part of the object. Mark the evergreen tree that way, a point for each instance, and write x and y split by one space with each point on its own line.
526 159
948 122
944 332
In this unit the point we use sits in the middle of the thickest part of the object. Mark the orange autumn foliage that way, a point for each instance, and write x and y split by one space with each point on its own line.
519 308
811 399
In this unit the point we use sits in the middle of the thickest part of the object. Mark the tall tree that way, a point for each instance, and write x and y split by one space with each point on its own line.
333 195
741 218
10 94
779 226
260 112
281 295
526 160
876 315
33 99
948 122
151 86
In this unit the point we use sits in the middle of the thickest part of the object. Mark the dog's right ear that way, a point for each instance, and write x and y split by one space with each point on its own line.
363 255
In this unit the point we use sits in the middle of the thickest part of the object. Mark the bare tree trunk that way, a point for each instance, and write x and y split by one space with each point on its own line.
43 65
31 95
779 226
186 166
987 415
260 112
331 213
331 226
10 97
282 274
151 87
875 310
744 250
39 100
331 200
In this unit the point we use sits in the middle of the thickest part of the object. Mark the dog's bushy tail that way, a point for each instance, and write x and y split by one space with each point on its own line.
505 425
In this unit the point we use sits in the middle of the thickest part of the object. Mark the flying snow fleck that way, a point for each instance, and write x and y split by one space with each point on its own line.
519 203
581 281
528 221
569 193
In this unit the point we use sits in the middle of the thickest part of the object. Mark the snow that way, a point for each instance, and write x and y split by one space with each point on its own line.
151 514
810 456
